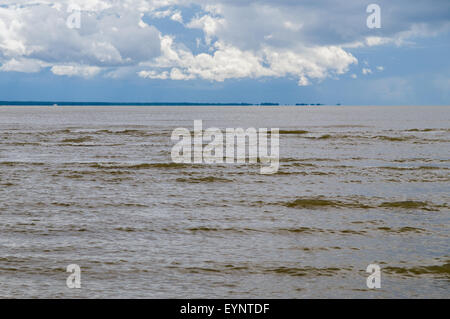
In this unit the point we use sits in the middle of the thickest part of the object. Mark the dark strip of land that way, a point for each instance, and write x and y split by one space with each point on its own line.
48 103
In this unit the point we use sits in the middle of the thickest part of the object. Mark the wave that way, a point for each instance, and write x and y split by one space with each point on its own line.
325 137
129 132
324 203
344 126
437 270
7 184
406 229
409 204
78 139
413 139
302 173
138 166
312 203
394 138
133 229
257 269
290 159
303 230
411 168
300 272
339 136
293 132
220 230
22 143
313 230
9 163
428 130
45 133
320 202
137 205
208 179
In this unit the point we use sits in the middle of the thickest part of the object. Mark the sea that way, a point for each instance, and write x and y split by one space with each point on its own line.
96 187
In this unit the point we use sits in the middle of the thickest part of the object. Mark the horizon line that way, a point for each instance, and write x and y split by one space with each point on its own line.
74 103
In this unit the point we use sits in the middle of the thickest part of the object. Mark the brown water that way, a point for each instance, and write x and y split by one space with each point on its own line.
95 186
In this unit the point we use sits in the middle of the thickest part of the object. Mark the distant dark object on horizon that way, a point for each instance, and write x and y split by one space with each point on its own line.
309 104
47 103
53 103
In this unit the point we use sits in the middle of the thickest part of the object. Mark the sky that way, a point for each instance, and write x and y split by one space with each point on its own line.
285 51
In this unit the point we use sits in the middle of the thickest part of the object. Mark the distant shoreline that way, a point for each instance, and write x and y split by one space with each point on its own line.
47 103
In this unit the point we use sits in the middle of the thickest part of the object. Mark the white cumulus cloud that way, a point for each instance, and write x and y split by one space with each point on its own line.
306 40
75 70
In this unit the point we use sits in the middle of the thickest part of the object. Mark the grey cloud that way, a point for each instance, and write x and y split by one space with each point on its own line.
325 22
269 38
